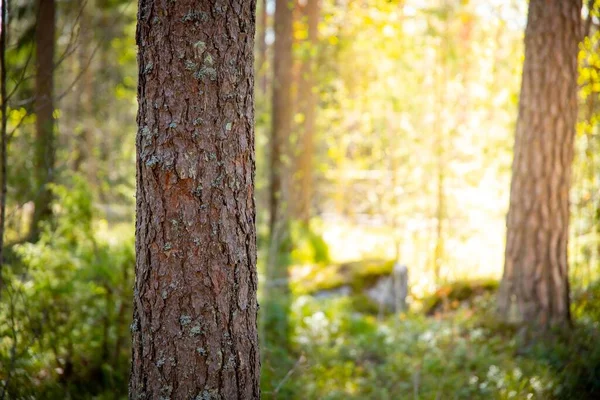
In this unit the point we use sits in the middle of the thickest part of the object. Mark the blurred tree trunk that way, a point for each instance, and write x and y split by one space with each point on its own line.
276 294
85 161
308 108
441 144
195 309
535 286
282 115
44 110
261 58
3 138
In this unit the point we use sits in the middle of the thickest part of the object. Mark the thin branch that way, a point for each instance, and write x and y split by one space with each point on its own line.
22 78
80 74
287 376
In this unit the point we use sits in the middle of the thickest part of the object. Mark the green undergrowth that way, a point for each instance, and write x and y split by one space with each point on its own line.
463 354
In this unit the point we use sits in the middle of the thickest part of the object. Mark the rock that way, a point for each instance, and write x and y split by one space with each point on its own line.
390 292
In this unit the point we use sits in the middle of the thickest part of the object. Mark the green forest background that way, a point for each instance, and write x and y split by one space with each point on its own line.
409 160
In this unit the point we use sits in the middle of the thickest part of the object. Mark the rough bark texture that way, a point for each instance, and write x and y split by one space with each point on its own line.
308 108
282 109
535 286
44 109
195 310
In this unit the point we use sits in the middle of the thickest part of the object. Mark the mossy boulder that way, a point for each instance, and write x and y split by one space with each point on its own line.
356 275
449 297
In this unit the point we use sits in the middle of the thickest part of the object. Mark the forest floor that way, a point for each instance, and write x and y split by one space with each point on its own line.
456 351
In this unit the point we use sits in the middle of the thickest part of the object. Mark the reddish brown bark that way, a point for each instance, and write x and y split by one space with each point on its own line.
535 287
195 309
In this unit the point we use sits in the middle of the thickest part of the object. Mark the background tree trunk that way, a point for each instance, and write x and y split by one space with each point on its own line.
535 287
3 126
308 107
281 112
195 309
44 109
275 327
86 159
262 47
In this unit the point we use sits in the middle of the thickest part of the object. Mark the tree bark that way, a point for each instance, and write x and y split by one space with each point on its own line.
535 286
281 112
195 310
44 110
308 107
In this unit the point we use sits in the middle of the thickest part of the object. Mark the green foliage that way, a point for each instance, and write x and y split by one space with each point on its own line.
308 246
464 355
277 352
66 307
575 358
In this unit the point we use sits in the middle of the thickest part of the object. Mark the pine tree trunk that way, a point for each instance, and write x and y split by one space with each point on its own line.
44 110
195 310
535 287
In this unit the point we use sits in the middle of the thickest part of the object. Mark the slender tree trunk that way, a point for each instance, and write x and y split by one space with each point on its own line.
281 112
44 110
535 286
85 161
4 110
262 47
195 310
276 294
308 107
441 131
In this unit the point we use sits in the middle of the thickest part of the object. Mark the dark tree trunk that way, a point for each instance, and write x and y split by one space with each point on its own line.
3 110
535 286
85 160
195 310
281 112
44 110
308 108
